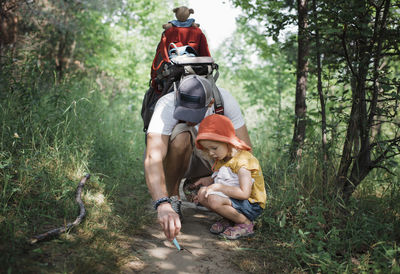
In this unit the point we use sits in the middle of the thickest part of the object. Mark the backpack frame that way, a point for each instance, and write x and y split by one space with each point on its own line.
169 74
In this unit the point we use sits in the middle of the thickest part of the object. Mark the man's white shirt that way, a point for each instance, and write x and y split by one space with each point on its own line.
163 121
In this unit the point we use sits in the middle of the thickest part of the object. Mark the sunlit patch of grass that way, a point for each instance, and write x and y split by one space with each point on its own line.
248 265
97 199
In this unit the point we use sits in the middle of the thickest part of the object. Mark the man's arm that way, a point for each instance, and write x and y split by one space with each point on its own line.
243 135
156 151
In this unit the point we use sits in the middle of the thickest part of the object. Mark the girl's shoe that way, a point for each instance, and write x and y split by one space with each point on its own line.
220 226
237 231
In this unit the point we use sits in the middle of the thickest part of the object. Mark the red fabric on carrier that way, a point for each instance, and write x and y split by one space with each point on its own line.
191 36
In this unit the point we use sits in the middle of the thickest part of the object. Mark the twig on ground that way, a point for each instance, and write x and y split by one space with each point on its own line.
78 220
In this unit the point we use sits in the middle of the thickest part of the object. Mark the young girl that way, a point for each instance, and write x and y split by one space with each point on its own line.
238 192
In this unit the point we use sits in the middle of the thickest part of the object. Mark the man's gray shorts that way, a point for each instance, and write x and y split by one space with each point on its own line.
198 166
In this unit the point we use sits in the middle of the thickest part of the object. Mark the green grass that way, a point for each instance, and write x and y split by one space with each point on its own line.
50 138
307 228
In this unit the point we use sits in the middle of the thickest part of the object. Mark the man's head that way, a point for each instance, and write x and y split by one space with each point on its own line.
193 97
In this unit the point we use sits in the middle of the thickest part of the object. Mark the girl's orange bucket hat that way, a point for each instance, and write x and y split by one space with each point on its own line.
219 128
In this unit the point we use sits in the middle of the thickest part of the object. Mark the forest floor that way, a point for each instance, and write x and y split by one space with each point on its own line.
202 251
99 250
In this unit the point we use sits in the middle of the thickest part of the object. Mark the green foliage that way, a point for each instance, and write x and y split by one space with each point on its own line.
124 42
313 230
49 139
54 130
274 16
55 127
263 89
306 225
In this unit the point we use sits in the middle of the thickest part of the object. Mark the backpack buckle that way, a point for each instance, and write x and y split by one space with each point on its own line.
219 110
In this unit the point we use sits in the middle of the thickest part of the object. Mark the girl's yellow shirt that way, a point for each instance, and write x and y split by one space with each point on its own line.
246 160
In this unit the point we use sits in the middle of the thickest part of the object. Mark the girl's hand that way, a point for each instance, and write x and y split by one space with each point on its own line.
205 181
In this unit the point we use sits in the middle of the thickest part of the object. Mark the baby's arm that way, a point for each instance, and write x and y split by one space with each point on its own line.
242 192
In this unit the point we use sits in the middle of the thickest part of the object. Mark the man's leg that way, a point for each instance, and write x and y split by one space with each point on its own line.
177 161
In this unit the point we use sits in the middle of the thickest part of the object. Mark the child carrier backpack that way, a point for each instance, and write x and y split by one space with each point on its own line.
181 52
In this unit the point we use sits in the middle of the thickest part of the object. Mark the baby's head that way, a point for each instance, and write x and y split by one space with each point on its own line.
217 136
182 13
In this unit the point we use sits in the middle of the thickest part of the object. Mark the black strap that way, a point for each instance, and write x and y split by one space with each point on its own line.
160 201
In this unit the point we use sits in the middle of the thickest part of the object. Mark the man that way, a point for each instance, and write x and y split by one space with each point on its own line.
170 153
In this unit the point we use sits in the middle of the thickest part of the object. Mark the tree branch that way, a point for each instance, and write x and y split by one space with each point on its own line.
391 141
346 54
78 220
385 168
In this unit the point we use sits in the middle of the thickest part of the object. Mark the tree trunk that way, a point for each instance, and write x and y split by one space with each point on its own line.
299 131
364 109
346 159
8 26
321 98
279 88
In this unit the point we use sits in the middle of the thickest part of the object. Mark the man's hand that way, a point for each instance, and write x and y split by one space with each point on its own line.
169 220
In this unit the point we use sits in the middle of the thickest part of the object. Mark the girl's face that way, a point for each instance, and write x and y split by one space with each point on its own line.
216 150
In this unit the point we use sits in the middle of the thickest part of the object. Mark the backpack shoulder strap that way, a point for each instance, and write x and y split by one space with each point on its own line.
218 103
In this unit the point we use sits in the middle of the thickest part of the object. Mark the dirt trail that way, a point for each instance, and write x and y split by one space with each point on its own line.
206 253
